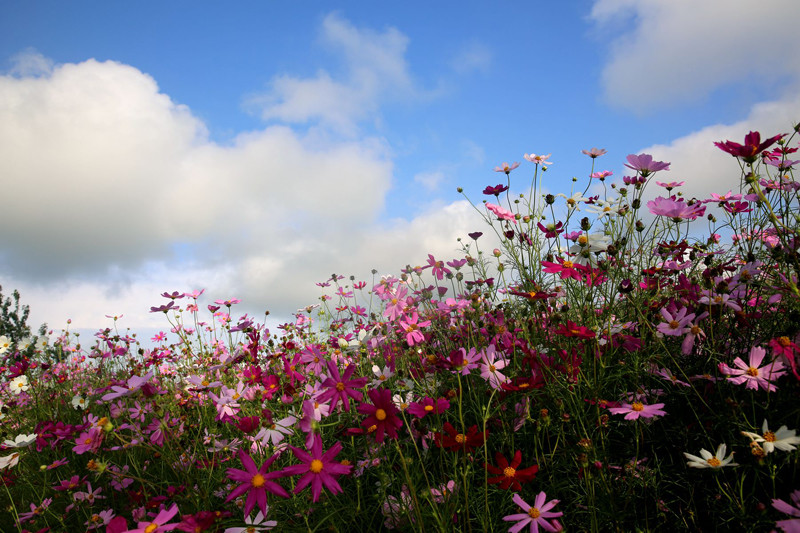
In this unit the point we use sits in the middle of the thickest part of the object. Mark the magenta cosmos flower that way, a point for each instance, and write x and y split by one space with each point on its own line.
753 375
341 387
644 164
502 214
635 410
791 524
159 523
256 482
317 468
381 415
750 149
535 515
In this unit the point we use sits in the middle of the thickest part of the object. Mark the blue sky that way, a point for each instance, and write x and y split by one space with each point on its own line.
253 148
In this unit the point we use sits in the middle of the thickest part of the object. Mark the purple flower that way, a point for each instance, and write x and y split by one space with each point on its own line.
644 164
317 469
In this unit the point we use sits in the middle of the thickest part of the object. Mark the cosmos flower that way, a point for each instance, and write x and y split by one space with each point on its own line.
535 515
706 460
317 468
753 375
784 439
255 482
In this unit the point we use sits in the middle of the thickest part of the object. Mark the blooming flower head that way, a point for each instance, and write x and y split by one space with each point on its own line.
159 523
538 159
502 214
254 524
638 410
676 208
256 482
382 416
428 406
341 387
538 514
706 460
510 475
783 439
452 440
644 164
753 375
19 384
505 167
750 149
594 153
317 468
791 525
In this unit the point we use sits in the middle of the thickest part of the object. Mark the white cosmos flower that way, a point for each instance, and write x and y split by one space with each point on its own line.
19 384
5 344
783 439
706 460
20 441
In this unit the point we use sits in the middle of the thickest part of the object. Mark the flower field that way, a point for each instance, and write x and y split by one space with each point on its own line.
606 363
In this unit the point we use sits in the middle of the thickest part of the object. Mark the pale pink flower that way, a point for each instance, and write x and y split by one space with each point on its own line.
502 214
753 375
638 410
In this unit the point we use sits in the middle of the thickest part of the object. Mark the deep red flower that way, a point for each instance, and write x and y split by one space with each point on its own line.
382 414
751 148
508 475
453 441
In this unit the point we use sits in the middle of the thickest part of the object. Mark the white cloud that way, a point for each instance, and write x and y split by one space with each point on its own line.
114 194
430 181
376 70
669 52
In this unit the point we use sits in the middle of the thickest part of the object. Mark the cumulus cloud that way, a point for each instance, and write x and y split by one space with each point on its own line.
669 52
114 193
375 70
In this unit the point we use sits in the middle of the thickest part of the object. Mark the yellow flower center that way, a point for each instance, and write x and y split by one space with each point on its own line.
714 462
534 513
380 414
752 371
583 239
674 324
509 472
340 386
316 466
152 527
784 341
769 436
429 408
492 368
637 406
461 438
258 481
567 264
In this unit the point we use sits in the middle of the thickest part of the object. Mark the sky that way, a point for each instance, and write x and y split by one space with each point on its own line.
253 149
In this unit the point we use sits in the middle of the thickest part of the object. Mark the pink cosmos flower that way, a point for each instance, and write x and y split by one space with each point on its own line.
256 482
411 326
676 323
670 184
676 208
535 515
318 469
644 164
491 365
793 509
538 159
88 441
753 375
638 410
502 214
594 152
505 167
159 523
437 267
